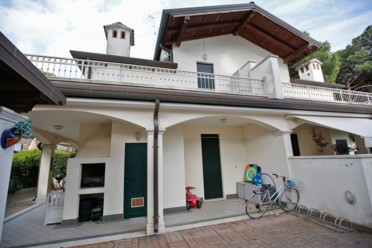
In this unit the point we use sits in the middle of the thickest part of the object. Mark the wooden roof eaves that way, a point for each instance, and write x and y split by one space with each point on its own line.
32 76
249 17
185 24
220 9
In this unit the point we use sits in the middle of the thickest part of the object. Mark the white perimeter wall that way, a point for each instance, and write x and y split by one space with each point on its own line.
325 179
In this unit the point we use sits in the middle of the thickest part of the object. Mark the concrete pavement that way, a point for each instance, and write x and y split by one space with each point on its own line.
283 230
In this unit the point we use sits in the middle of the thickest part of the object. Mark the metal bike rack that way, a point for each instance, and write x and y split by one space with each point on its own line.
339 224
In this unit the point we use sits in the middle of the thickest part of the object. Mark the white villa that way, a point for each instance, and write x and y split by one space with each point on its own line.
216 97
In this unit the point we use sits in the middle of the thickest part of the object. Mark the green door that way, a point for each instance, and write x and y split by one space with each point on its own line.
211 166
135 180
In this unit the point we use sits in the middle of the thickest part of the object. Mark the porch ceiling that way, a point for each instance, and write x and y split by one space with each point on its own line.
68 121
248 21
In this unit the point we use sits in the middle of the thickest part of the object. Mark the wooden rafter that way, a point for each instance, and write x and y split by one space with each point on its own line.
248 18
297 53
269 36
185 24
201 27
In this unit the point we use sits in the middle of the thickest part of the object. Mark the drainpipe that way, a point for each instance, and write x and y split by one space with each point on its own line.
156 192
168 51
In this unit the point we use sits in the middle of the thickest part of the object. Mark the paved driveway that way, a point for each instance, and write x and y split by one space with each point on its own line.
284 230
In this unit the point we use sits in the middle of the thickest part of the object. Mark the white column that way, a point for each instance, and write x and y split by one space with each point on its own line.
150 183
8 119
43 184
283 167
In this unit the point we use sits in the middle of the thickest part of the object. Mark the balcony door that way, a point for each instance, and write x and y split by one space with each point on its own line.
205 76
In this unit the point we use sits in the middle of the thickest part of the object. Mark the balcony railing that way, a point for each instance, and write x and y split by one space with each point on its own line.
92 71
146 76
315 93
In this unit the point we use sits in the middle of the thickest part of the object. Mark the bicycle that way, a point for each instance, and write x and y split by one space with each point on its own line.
286 195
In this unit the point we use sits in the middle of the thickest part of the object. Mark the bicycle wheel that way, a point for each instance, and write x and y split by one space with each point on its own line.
289 199
254 207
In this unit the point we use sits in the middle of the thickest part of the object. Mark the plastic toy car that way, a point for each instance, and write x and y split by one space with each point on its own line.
191 199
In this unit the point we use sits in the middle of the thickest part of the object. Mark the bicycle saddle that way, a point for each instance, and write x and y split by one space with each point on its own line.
266 186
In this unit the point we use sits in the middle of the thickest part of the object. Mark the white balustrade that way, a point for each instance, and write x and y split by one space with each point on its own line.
315 93
126 74
117 73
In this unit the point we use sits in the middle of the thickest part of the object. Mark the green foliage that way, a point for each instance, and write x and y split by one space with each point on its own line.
60 162
48 74
25 169
356 67
331 63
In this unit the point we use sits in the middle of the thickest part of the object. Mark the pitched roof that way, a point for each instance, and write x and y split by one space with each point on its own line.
122 59
249 21
22 85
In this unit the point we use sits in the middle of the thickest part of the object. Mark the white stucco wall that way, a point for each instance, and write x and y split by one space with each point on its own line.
174 168
267 149
325 179
73 190
117 45
232 154
94 140
122 133
227 53
114 137
236 53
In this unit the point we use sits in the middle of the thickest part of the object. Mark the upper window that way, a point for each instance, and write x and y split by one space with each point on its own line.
122 36
205 76
114 33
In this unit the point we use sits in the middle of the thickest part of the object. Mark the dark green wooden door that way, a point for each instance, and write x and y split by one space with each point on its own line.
211 166
135 180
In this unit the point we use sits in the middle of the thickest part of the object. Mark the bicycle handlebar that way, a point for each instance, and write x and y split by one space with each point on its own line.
276 175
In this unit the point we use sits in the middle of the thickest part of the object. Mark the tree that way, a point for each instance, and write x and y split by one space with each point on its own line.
356 67
60 162
25 168
331 63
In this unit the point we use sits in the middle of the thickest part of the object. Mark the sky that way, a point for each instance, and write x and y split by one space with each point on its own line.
54 27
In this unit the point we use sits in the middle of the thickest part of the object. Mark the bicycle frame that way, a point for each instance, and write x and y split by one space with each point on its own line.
286 196
267 196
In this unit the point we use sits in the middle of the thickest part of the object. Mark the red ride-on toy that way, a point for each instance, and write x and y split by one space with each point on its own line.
191 199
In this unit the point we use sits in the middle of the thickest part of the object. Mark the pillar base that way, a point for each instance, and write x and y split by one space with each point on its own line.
150 229
40 200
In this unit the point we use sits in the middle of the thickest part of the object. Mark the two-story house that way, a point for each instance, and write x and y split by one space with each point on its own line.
216 97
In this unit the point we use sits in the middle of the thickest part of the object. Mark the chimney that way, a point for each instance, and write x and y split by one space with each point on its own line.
119 39
311 70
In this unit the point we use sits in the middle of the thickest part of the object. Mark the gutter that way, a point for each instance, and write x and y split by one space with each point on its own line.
156 151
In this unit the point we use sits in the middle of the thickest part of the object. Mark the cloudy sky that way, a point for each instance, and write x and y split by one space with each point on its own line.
54 27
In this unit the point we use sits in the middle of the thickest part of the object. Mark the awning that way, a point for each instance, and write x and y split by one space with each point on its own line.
358 126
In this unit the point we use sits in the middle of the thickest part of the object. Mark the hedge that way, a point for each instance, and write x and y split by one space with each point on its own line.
25 168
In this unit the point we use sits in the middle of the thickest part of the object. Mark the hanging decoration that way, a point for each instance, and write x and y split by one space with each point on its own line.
250 171
12 136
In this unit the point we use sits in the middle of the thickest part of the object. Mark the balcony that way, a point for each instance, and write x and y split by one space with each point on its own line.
101 72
